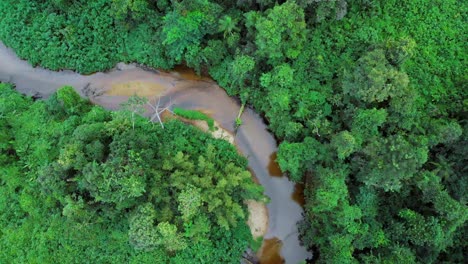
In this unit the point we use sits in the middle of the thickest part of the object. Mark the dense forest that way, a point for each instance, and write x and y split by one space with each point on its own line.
367 97
79 183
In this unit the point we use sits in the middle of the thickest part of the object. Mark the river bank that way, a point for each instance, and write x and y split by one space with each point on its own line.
252 138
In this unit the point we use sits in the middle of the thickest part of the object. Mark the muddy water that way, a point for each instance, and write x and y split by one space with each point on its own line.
271 249
273 166
183 89
298 194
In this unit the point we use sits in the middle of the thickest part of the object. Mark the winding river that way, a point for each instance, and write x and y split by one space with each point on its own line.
183 89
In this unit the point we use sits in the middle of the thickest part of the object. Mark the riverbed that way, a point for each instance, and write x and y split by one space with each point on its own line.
182 89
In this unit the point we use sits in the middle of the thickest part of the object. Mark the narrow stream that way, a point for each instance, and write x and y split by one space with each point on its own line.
183 89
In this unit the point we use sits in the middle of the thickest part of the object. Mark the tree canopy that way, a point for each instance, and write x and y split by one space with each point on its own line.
368 99
81 183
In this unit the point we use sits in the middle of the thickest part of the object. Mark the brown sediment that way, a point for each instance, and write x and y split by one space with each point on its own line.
273 167
143 89
166 116
298 194
269 253
187 73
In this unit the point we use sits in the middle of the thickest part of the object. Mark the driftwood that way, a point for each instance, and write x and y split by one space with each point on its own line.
158 110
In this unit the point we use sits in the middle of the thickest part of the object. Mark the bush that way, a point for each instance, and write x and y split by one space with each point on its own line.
195 115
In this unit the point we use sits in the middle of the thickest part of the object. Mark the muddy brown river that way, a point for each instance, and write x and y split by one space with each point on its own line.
183 89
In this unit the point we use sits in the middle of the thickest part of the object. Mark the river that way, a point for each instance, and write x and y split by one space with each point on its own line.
183 89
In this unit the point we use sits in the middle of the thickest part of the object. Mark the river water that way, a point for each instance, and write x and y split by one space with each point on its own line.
182 89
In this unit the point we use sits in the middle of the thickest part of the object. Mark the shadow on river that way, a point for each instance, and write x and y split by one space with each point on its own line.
185 90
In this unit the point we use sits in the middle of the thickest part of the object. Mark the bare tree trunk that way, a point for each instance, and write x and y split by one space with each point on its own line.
158 110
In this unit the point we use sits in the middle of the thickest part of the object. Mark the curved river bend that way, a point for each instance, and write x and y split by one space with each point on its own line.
187 91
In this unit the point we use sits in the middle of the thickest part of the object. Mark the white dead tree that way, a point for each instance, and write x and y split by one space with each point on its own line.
159 110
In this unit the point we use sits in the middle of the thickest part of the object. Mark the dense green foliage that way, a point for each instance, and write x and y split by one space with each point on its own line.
194 115
80 184
368 97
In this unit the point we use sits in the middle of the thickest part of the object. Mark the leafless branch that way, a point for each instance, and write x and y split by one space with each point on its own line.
158 110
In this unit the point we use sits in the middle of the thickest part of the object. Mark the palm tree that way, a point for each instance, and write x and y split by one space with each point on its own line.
227 25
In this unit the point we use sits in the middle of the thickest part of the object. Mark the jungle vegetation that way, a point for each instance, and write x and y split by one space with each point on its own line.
82 184
367 97
195 115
